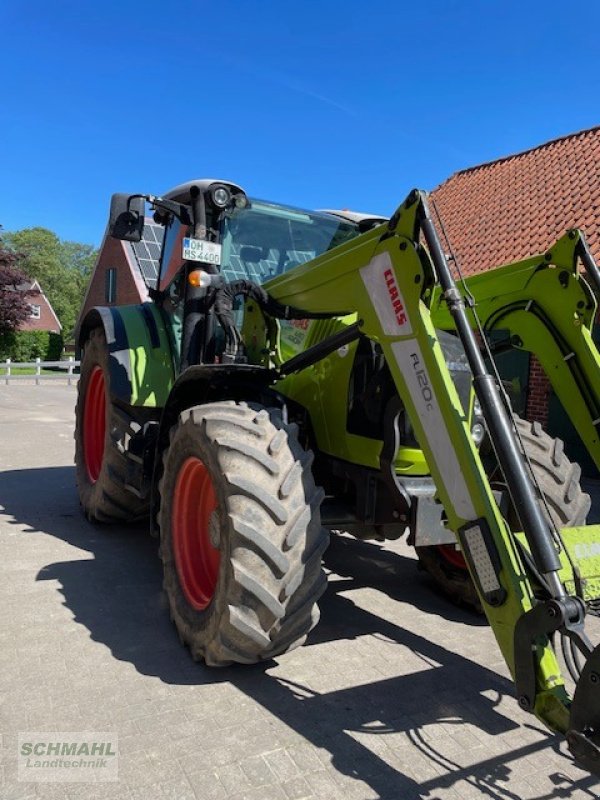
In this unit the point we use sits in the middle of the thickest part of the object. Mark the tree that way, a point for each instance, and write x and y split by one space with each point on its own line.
14 307
62 269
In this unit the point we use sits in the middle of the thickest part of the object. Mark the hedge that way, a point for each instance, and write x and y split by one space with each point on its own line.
29 345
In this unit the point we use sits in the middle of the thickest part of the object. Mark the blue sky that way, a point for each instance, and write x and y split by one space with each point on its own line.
318 104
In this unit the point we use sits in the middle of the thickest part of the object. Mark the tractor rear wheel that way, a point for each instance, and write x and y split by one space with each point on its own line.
558 478
102 429
241 536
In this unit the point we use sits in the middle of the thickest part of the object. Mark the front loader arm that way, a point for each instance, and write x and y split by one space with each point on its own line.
547 308
388 280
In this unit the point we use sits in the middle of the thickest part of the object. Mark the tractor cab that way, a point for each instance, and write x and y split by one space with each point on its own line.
257 240
213 228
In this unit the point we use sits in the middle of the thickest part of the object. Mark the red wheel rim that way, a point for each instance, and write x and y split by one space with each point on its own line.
94 424
196 558
453 556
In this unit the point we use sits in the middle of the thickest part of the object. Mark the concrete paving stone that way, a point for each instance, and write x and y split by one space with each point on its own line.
272 792
307 758
135 768
189 727
323 785
130 743
199 760
64 791
8 743
123 727
266 725
473 788
233 778
451 794
154 741
132 711
170 703
422 769
170 750
58 791
207 786
225 737
281 764
359 790
201 711
546 785
257 771
153 791
18 792
163 721
178 789
163 769
297 788
119 790
244 716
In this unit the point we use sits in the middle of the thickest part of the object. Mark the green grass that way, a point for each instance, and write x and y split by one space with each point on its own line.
27 371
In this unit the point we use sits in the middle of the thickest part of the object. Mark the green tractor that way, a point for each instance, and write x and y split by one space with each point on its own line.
296 373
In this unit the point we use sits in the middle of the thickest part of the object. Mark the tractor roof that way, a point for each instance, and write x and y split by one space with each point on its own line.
355 216
181 192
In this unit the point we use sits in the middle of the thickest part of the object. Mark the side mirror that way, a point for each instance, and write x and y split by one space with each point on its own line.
126 217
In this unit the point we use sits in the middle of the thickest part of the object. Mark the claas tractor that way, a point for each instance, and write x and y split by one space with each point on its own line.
295 373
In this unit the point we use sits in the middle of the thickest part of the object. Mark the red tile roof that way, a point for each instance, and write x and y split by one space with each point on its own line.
519 205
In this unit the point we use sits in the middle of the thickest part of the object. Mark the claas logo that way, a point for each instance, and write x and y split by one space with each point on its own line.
390 282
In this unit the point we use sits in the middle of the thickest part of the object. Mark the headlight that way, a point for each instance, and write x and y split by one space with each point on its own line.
220 196
478 432
477 423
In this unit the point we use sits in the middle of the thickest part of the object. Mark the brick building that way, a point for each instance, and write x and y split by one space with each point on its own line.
42 316
123 270
507 209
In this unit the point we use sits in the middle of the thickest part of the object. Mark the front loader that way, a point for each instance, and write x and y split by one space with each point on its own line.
545 305
282 351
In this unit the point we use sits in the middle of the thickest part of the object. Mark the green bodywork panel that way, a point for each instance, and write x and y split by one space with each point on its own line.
312 387
582 548
140 353
547 308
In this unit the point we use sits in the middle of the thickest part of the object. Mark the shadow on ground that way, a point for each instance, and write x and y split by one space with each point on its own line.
116 595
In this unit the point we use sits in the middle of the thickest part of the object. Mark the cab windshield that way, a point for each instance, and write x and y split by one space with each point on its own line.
264 240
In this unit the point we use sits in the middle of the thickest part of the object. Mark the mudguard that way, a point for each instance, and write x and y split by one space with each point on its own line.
140 352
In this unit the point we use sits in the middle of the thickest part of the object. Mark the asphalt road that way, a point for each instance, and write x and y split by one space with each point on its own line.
396 695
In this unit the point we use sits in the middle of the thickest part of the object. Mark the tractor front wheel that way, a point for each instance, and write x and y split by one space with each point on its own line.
558 478
241 537
102 430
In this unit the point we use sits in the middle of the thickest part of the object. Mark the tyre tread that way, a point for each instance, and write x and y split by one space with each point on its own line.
276 541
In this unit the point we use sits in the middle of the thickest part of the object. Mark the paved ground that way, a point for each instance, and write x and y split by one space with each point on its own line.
396 696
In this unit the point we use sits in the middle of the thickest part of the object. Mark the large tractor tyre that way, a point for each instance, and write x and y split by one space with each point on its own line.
568 505
240 533
102 430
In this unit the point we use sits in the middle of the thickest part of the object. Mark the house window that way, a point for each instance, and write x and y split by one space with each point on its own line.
111 285
36 312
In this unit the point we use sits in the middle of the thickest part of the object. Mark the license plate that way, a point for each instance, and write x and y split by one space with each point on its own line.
199 250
